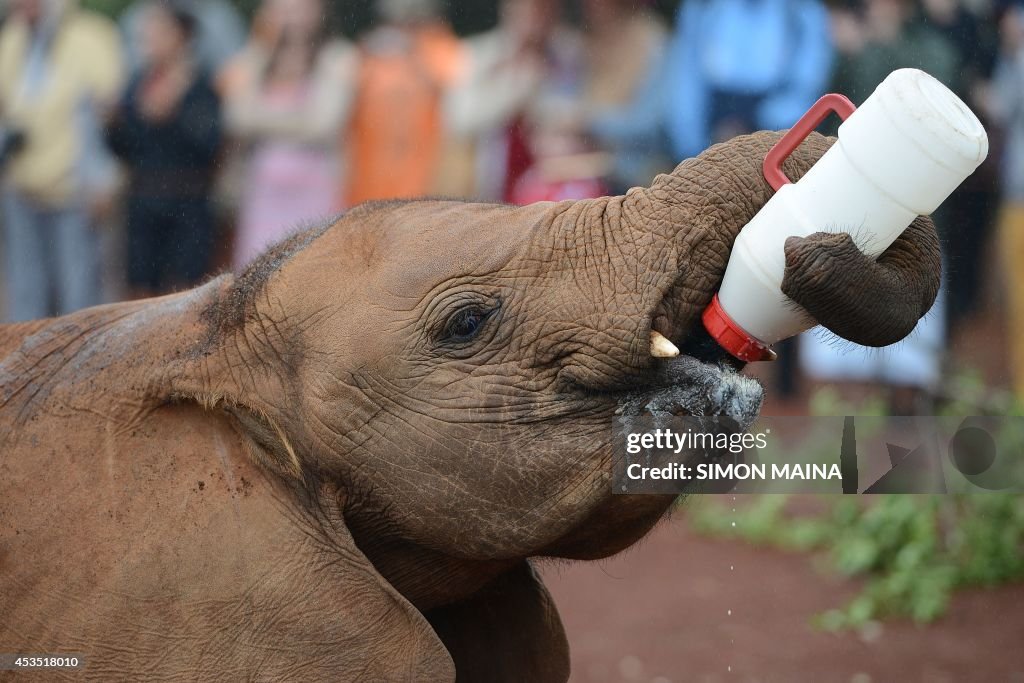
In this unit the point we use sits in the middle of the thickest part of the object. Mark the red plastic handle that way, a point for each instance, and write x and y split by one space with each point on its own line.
819 111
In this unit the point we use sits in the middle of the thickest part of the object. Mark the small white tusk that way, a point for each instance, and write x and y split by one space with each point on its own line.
661 347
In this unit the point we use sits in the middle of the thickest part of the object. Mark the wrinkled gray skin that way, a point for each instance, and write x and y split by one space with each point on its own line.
337 465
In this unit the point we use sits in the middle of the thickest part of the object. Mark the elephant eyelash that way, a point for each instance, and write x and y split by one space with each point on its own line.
465 325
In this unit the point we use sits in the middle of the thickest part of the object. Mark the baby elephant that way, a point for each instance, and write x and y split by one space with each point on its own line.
339 464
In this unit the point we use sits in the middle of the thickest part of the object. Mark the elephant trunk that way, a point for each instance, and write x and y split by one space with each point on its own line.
655 256
691 217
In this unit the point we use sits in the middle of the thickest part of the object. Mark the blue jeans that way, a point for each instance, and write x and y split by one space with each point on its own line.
52 259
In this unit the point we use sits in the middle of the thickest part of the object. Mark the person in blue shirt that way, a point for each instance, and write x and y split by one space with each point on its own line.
735 66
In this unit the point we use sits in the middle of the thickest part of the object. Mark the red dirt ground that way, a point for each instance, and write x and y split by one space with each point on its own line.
680 608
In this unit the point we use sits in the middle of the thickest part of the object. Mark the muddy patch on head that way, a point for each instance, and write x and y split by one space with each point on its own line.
230 310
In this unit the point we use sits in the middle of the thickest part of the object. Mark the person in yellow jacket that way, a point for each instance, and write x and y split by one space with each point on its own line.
60 71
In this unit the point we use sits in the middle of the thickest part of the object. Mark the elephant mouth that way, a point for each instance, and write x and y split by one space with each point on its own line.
687 385
688 373
696 377
700 379
682 385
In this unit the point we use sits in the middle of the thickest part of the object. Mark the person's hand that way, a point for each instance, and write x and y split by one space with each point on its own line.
1011 31
562 115
102 205
528 24
109 113
266 25
848 33
293 57
159 99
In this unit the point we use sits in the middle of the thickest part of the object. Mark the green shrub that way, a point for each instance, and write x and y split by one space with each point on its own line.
911 551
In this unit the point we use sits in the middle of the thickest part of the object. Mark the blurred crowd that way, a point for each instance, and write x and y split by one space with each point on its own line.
140 156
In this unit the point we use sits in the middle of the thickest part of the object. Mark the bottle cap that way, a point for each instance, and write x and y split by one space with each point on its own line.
732 337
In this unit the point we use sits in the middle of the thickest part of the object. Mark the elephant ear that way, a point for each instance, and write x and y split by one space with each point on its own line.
385 638
352 623
509 631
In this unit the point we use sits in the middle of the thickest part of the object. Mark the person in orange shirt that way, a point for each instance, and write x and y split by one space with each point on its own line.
397 133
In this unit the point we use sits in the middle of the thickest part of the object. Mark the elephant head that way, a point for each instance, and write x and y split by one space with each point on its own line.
434 382
452 369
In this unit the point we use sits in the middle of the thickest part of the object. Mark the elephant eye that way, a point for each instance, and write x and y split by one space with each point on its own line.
465 325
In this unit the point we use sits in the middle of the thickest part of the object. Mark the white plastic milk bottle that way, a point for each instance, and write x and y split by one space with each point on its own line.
899 155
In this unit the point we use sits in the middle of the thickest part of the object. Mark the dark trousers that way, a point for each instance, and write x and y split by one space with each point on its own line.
170 242
965 225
